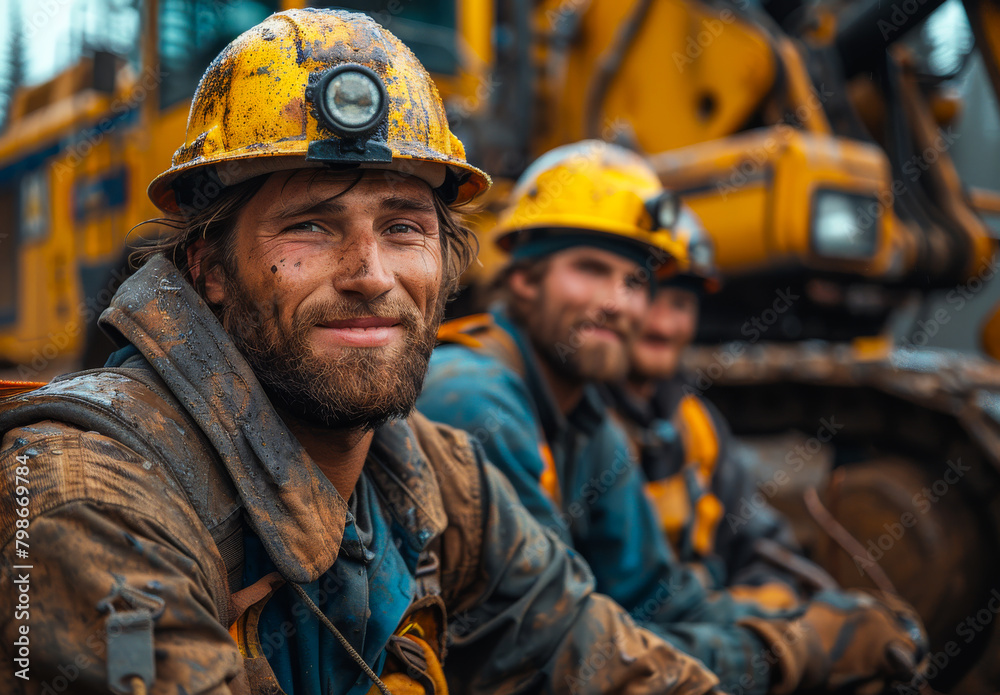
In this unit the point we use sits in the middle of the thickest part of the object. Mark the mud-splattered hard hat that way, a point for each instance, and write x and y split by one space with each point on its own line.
315 88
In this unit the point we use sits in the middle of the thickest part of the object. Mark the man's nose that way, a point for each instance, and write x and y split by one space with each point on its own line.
618 296
361 270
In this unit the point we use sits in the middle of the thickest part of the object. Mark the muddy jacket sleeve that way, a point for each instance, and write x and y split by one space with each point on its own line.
536 625
102 524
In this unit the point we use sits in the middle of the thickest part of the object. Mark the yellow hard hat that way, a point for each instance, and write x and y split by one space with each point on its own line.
315 88
591 192
696 267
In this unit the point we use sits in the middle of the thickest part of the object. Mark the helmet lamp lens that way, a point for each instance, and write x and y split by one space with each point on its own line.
664 209
353 99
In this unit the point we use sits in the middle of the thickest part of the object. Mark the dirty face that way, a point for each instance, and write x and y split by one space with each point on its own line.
584 312
335 296
669 327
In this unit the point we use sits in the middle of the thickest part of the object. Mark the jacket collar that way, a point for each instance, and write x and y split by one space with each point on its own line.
294 509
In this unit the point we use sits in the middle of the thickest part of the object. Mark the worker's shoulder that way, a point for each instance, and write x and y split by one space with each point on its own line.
96 438
49 464
449 362
448 449
462 378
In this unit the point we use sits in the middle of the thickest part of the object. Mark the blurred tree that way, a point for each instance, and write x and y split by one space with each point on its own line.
14 68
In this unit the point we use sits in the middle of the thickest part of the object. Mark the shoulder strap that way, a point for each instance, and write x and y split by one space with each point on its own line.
134 407
701 439
452 561
481 333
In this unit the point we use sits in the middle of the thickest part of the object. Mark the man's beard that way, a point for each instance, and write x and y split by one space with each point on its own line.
658 367
574 357
358 389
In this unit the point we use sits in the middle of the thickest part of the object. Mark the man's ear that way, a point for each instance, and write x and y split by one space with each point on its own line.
214 287
522 287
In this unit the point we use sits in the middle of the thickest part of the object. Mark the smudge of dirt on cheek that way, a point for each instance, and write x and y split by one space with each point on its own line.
298 264
274 269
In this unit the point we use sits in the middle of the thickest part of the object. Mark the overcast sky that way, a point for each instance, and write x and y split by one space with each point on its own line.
56 29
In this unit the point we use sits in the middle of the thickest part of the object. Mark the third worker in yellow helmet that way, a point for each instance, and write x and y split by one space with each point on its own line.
699 476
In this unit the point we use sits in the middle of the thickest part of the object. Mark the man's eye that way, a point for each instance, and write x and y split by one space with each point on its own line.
401 228
634 282
306 227
591 268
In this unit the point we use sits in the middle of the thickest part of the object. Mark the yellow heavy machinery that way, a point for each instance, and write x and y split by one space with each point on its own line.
76 156
808 137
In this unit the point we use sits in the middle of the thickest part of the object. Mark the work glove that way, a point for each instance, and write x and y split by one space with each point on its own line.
846 641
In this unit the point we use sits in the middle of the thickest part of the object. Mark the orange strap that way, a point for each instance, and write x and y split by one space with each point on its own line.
672 503
16 388
773 596
550 478
459 330
708 512
671 497
424 675
701 443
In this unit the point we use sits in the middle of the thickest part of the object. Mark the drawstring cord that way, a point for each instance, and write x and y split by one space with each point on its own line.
340 638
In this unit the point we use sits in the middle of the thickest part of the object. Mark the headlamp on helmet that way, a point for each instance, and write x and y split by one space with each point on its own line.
698 271
351 101
665 210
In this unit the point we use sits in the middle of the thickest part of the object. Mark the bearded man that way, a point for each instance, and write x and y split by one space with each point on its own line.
243 500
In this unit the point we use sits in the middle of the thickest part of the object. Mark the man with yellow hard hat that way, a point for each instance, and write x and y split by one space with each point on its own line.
243 500
589 230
